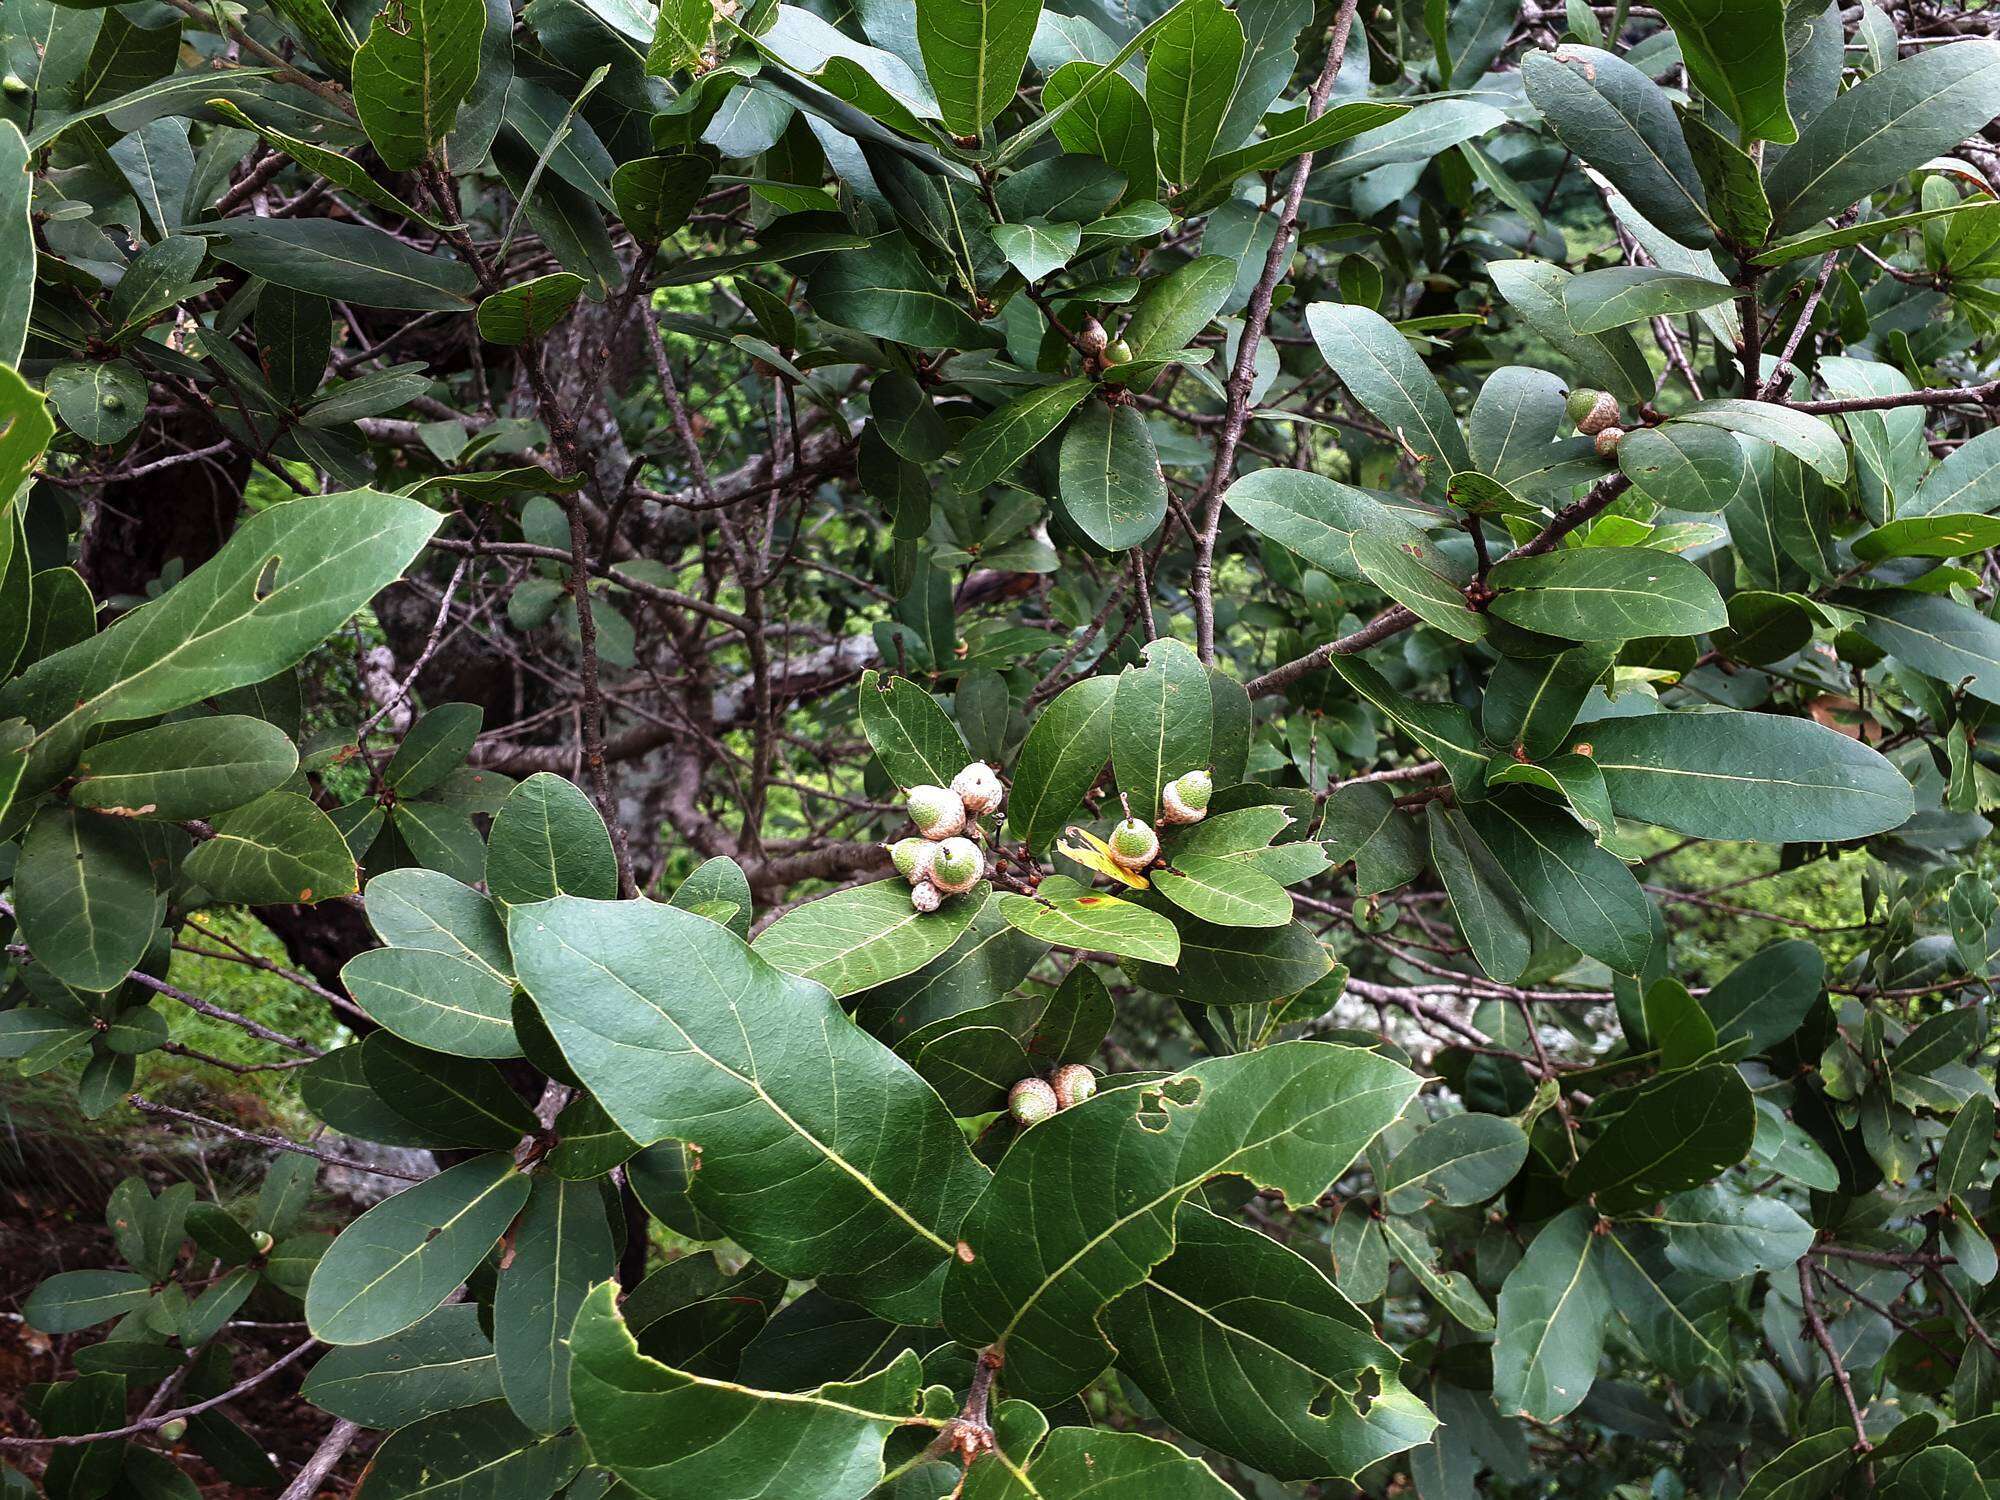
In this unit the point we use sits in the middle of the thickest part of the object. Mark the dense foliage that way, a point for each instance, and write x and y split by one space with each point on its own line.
976 717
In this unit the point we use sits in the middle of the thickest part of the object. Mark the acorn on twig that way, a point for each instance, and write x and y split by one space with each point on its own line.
957 866
1608 439
926 897
1134 844
1032 1101
978 787
938 812
1185 799
912 858
1592 411
1073 1083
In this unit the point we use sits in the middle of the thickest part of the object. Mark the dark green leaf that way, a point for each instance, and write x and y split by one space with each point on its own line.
1045 1258
1884 128
84 898
470 1453
561 1249
1064 752
644 1002
667 1433
1747 776
1607 594
1619 121
1190 74
398 1262
1669 1133
911 735
441 1364
349 262
1111 483
1553 1310
191 768
858 938
1292 1380
549 840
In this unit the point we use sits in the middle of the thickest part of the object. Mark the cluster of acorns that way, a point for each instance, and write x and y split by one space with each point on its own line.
1135 845
1033 1100
943 862
1596 415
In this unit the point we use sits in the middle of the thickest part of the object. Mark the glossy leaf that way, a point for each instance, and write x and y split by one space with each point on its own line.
1747 776
666 1433
1553 1310
643 1000
399 1261
910 734
193 768
1292 1380
1061 759
856 939
1045 1260
1607 594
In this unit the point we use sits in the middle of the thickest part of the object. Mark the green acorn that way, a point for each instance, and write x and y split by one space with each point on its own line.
1032 1101
1134 844
1118 353
938 812
262 1240
1591 411
912 858
13 85
957 866
173 1431
1185 799
1073 1083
